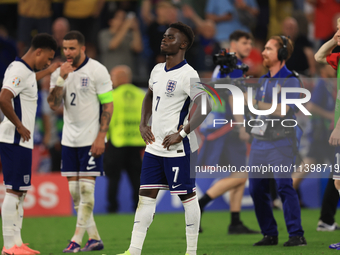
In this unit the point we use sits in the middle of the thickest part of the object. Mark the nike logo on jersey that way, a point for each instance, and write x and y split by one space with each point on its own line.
90 167
174 187
155 82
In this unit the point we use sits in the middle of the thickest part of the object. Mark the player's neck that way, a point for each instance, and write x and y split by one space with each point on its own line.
81 60
173 60
276 68
29 59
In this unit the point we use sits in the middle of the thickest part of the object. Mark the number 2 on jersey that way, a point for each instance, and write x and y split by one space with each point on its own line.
157 99
74 98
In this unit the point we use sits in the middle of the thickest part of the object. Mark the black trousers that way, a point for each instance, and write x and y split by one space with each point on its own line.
329 203
115 161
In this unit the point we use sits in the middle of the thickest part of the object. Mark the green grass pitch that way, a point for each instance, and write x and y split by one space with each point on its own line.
167 235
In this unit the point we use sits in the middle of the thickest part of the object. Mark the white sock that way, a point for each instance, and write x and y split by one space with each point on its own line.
339 191
91 226
85 208
9 214
143 218
192 221
19 219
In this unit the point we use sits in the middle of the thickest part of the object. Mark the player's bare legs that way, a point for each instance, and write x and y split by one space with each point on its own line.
82 192
192 221
299 176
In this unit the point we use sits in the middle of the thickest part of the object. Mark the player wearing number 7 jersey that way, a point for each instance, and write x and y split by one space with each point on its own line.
325 56
170 149
85 86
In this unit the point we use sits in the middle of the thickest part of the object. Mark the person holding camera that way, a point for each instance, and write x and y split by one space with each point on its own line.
233 141
275 148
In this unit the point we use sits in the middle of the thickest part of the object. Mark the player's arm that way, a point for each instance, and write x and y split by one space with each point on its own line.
144 129
47 71
55 97
326 49
7 108
98 146
315 109
196 120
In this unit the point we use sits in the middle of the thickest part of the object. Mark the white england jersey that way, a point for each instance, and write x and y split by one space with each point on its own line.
21 81
81 104
173 92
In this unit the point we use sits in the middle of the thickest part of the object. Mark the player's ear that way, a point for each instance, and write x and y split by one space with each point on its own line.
83 48
183 45
38 52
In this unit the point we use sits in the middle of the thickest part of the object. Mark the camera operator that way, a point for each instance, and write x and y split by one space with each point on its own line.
232 144
275 151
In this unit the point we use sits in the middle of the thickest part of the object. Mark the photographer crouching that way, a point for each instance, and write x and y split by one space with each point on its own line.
275 146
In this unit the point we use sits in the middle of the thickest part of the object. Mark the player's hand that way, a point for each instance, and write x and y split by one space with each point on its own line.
65 69
98 147
335 137
147 134
24 133
172 139
54 66
243 135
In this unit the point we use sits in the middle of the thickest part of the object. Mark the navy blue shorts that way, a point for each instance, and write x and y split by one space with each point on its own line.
16 166
336 166
168 173
78 161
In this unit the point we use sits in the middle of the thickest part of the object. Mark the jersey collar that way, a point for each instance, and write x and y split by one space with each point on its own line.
176 66
22 61
283 73
82 64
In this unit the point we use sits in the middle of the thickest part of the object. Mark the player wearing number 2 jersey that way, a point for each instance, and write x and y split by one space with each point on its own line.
85 86
325 56
166 163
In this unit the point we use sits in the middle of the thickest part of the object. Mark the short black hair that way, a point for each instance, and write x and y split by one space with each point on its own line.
186 30
43 41
236 35
75 35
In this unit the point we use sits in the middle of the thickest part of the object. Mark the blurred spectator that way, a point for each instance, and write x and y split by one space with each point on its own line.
197 5
120 41
52 124
33 15
302 59
205 30
261 28
83 16
325 11
8 52
166 14
60 27
321 106
126 145
278 11
231 15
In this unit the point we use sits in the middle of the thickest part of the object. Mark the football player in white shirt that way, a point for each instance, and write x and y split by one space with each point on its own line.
85 86
18 102
170 148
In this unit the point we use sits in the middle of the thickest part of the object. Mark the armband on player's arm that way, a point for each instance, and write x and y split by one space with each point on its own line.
106 97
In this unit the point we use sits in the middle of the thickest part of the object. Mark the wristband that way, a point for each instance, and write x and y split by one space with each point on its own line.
182 133
60 82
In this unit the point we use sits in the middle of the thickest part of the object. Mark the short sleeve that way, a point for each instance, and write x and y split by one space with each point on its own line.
103 81
14 81
151 80
333 60
54 77
192 86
